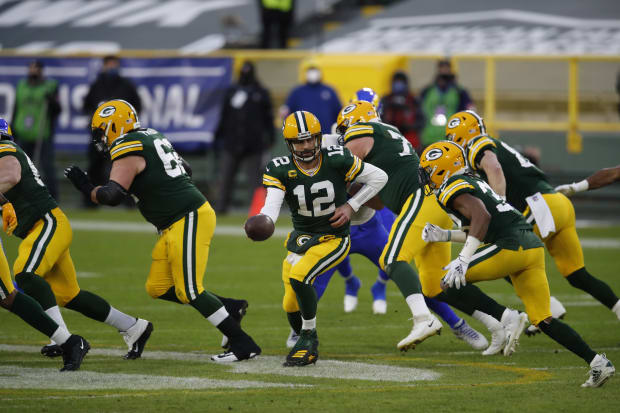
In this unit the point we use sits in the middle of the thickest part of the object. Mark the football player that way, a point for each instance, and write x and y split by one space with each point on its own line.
524 186
597 180
313 181
145 165
498 241
24 306
43 268
383 145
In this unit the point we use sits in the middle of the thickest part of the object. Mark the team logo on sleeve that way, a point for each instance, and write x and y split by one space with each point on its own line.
292 173
454 123
434 154
107 111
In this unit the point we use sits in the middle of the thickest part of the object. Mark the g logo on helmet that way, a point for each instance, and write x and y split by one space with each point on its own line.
348 109
454 123
434 154
107 111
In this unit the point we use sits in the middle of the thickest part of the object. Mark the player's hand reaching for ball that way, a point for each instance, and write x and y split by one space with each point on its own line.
342 215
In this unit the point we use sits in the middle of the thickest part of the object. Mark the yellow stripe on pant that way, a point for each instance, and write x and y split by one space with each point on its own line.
181 254
45 252
305 268
526 269
563 244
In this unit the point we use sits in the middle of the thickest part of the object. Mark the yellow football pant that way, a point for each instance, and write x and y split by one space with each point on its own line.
405 241
180 255
305 268
527 272
45 252
563 244
6 283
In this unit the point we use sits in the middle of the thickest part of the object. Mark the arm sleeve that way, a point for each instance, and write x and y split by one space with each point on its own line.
273 203
111 194
374 180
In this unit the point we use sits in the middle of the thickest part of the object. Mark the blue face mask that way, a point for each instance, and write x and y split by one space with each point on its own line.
112 72
399 86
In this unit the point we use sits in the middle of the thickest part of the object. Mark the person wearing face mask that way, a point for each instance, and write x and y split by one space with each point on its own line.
402 109
315 97
108 85
34 117
440 100
244 134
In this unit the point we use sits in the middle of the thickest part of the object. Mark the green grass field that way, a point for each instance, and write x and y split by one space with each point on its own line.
359 367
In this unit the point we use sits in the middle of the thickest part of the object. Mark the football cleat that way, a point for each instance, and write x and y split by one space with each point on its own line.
136 337
305 351
51 350
601 370
241 349
532 330
557 309
352 286
292 339
472 337
498 341
379 304
73 352
237 312
422 329
379 307
514 324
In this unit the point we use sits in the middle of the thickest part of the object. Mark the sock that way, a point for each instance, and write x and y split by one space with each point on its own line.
121 321
170 295
352 285
616 308
306 297
444 311
417 305
598 289
345 269
470 298
230 328
321 282
294 319
31 312
54 313
489 322
308 324
383 277
567 337
37 288
405 278
91 305
207 304
60 336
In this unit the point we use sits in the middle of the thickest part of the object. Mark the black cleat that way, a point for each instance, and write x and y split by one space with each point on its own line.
51 350
136 338
241 349
305 351
73 352
237 309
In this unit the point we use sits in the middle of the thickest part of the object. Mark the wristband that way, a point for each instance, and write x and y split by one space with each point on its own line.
581 186
470 247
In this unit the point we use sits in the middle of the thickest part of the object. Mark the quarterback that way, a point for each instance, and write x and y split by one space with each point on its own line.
145 165
313 181
498 241
43 268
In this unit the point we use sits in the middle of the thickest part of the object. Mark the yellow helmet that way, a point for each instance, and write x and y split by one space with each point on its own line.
299 126
355 112
440 161
463 126
111 120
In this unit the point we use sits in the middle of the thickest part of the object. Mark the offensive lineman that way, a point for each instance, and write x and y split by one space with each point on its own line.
145 165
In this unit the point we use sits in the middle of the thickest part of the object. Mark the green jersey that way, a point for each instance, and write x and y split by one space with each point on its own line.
395 155
313 198
164 191
507 229
29 197
523 178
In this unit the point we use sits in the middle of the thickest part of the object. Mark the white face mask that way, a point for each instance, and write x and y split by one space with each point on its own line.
313 76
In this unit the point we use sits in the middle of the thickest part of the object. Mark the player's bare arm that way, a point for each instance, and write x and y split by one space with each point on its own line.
494 172
10 173
599 179
473 209
360 147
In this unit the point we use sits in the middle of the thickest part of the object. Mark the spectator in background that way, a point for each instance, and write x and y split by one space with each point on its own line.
276 16
108 85
315 97
245 132
401 109
618 90
440 100
34 118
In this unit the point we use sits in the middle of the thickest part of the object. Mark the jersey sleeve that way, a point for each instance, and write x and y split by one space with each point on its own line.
272 177
7 149
476 150
129 146
452 189
350 165
358 131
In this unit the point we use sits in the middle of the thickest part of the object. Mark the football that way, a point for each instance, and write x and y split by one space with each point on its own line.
259 227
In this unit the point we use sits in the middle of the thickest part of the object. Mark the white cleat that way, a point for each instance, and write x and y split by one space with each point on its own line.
601 370
498 341
472 337
230 357
292 339
350 303
557 309
379 307
422 329
514 323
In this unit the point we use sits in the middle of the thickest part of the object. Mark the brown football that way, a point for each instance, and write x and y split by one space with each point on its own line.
259 227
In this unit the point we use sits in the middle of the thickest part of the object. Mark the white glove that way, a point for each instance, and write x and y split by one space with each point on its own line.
572 189
434 233
456 273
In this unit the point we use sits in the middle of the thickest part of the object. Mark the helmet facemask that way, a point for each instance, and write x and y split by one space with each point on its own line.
307 155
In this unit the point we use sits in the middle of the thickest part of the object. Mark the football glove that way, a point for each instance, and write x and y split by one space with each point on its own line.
456 273
9 219
572 189
79 179
434 233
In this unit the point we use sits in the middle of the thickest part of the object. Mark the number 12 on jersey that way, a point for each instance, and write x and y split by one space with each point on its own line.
321 205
